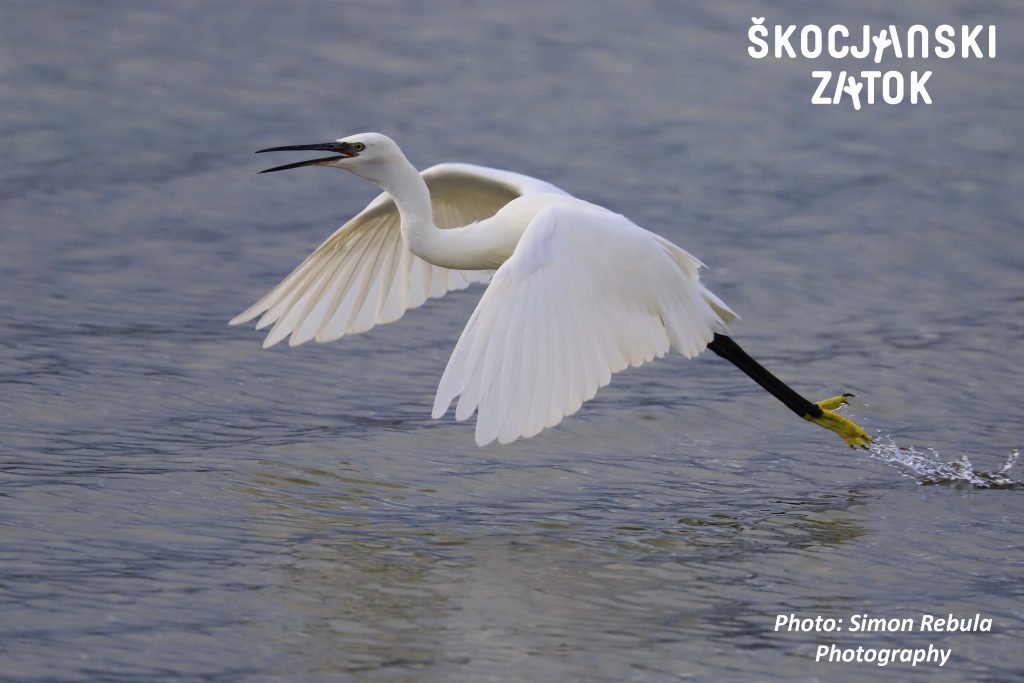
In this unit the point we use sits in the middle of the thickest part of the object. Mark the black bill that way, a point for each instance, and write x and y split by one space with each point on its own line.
342 150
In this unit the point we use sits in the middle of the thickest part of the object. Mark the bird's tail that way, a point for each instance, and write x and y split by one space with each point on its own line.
691 265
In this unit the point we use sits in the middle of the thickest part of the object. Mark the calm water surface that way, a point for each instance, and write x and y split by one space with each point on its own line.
176 503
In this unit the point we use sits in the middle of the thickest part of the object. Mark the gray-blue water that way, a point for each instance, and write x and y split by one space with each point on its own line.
177 504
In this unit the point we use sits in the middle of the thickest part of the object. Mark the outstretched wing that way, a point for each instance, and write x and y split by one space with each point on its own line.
364 274
585 294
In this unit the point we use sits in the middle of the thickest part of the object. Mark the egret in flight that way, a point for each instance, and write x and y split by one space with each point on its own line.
576 292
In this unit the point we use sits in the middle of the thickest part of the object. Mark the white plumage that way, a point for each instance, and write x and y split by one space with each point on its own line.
578 292
364 274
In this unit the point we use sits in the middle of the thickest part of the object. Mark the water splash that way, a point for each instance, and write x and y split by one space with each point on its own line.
928 467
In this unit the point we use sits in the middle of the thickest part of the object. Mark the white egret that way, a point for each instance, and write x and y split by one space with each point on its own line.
576 293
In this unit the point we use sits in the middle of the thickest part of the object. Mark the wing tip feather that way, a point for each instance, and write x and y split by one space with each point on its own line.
245 316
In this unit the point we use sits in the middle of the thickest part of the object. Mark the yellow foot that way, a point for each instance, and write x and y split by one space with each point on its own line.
847 429
835 402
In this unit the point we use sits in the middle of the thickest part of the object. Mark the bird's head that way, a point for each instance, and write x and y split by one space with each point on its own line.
365 154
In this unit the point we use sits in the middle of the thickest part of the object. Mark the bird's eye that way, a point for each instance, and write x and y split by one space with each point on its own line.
359 147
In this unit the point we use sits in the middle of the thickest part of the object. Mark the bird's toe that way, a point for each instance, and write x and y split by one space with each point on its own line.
834 402
849 431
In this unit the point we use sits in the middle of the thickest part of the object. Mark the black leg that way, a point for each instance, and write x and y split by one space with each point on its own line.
728 349
847 429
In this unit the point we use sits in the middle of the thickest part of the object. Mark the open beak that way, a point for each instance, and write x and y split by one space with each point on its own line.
342 150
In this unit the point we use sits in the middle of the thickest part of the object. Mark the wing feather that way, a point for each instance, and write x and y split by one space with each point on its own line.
364 275
585 294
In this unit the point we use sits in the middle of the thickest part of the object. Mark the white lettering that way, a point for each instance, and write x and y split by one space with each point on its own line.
756 35
894 37
818 97
881 42
968 44
871 76
864 623
892 87
840 82
782 41
943 35
922 34
834 51
865 48
807 33
870 86
917 88
853 88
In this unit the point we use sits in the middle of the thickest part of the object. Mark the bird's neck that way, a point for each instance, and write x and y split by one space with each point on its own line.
412 197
